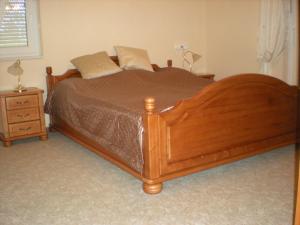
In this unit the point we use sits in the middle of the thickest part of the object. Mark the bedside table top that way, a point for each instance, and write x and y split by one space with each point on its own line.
28 91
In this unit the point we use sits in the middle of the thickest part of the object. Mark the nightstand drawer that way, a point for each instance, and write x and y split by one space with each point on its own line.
26 128
22 115
20 102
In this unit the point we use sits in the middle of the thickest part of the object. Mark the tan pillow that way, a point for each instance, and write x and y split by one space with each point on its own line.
133 58
96 65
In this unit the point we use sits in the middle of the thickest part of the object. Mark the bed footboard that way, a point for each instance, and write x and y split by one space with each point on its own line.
231 119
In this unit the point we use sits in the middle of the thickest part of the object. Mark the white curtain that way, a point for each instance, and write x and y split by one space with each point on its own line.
273 32
292 47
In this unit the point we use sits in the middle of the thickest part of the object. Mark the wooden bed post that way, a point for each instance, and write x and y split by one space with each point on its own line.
50 85
151 148
49 79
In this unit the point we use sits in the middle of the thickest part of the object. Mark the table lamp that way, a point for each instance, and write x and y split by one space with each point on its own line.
190 58
16 70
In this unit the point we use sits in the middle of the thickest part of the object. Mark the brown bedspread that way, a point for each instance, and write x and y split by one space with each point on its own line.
108 110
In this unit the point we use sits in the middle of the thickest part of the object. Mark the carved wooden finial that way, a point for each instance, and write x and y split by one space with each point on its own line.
149 104
49 70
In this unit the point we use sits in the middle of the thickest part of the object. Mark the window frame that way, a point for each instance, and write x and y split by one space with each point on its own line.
33 49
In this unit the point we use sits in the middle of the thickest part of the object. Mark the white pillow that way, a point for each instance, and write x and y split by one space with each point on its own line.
95 65
133 58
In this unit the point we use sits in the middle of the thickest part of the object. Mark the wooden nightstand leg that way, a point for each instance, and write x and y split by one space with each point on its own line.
7 143
44 137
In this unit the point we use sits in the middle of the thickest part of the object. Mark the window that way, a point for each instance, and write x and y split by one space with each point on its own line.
19 29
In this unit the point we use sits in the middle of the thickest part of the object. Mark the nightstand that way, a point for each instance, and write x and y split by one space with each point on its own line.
206 75
21 115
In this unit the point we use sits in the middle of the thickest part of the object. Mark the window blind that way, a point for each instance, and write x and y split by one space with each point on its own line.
13 28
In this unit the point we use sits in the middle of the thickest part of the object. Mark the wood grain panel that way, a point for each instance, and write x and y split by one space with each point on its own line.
247 118
226 119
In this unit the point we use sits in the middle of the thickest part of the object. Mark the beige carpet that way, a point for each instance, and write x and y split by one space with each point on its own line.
60 182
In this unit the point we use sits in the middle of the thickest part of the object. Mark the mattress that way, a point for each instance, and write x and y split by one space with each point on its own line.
109 110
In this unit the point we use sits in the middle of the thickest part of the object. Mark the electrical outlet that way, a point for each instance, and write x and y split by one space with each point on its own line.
181 46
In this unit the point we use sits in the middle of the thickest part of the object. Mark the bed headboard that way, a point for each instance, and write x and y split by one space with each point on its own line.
52 80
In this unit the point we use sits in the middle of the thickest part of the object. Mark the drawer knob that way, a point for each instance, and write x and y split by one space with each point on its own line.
22 115
22 102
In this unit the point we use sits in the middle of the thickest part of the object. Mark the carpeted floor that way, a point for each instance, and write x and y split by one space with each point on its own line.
59 182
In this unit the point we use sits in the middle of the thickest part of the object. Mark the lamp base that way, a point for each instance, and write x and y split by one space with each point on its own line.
20 89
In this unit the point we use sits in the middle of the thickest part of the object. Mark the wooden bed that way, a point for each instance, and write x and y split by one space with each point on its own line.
228 120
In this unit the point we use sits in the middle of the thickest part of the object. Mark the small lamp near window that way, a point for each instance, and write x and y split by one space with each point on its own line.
16 70
190 58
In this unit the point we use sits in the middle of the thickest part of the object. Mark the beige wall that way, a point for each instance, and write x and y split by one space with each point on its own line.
74 27
223 31
232 39
232 28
